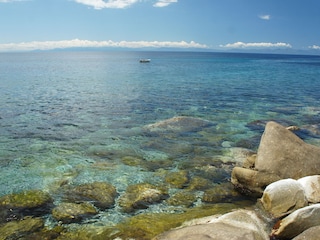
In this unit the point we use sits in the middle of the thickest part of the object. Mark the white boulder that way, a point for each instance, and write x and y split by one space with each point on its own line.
283 197
311 186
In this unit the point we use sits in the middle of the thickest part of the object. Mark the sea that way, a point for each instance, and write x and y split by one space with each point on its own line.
74 117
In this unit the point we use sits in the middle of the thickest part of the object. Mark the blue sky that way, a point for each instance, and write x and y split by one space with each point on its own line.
207 24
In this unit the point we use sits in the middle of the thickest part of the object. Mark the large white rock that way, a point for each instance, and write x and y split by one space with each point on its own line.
311 186
297 222
283 153
283 197
237 225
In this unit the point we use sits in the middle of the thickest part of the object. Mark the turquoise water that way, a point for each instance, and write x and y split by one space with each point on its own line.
74 116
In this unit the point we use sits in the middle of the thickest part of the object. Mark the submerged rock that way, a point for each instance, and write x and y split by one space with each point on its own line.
20 229
85 233
132 161
73 212
154 165
217 173
223 192
184 198
179 124
26 199
140 196
101 194
150 165
313 130
178 179
46 234
32 202
199 183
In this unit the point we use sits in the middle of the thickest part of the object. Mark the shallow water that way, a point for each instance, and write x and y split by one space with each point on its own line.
73 117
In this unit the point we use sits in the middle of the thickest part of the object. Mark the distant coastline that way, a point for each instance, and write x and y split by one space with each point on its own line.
305 52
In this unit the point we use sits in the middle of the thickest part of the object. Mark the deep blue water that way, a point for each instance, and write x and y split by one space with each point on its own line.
73 116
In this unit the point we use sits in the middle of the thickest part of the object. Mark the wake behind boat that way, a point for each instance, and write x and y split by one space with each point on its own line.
145 60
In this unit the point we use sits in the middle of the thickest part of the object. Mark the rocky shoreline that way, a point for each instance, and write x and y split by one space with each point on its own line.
281 181
283 176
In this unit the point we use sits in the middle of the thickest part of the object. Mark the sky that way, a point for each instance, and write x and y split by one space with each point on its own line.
183 24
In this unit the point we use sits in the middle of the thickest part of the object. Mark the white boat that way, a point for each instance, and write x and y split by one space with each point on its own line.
145 60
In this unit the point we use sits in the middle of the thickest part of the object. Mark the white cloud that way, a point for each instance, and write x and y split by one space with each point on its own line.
8 1
100 4
47 45
265 17
164 3
315 47
257 45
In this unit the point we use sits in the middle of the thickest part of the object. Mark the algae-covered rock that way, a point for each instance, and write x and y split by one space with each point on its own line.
220 193
199 183
184 198
111 151
78 234
166 143
45 234
73 212
140 196
149 165
212 169
154 165
132 161
26 199
199 161
101 194
32 202
21 228
177 179
147 226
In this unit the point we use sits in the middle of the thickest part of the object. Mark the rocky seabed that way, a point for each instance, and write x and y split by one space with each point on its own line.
283 177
